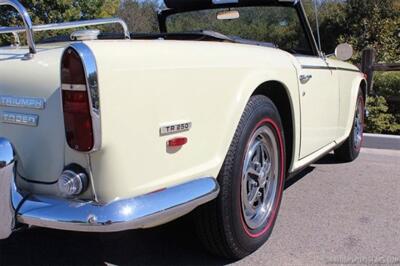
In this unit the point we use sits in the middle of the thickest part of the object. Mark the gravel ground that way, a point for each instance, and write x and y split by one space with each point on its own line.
331 214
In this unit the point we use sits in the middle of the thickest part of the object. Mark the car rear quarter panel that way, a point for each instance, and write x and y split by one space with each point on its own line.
145 84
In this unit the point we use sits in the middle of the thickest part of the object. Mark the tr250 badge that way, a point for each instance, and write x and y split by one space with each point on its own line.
175 128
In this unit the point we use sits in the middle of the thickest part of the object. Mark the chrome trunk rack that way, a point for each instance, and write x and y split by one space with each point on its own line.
30 29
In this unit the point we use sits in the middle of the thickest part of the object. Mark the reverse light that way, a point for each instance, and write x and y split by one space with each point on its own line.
72 183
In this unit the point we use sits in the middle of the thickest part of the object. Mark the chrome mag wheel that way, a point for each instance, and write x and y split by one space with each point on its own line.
260 177
358 124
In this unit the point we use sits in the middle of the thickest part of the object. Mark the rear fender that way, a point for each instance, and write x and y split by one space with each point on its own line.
247 89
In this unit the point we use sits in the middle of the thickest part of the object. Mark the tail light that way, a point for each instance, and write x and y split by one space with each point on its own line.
77 102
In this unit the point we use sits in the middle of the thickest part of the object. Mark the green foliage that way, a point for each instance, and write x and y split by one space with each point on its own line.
371 23
332 17
141 16
379 120
387 84
366 23
55 11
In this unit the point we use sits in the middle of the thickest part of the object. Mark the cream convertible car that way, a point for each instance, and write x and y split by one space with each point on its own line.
111 132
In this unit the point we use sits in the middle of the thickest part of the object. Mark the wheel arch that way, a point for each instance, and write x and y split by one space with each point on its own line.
280 96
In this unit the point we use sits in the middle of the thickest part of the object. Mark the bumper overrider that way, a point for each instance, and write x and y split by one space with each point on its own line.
19 208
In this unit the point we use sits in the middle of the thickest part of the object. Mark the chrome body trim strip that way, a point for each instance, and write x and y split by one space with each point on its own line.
90 67
348 69
330 68
318 67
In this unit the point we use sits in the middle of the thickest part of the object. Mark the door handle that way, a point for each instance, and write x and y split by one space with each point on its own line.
305 78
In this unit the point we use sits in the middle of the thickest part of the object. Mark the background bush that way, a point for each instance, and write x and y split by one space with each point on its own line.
387 84
385 105
55 11
379 119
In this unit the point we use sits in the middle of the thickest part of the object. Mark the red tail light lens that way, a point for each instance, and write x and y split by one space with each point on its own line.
72 71
76 104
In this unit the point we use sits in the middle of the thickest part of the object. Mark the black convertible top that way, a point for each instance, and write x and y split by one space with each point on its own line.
190 4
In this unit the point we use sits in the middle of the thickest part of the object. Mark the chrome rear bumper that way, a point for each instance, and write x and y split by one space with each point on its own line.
139 212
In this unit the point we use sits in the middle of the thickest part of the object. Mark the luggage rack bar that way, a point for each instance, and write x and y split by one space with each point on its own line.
30 29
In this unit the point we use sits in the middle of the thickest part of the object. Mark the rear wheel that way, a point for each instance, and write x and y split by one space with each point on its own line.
241 219
350 149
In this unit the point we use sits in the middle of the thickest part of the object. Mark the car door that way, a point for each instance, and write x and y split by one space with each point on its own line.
319 100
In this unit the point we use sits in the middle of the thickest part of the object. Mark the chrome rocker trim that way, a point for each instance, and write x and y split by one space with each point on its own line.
139 212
